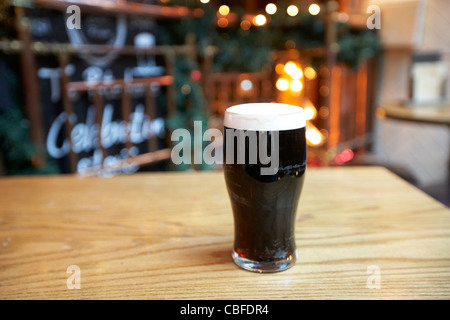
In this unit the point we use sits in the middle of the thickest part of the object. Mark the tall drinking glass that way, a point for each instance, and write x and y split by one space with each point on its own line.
264 167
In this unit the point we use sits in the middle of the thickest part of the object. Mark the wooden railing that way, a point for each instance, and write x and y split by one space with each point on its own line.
223 90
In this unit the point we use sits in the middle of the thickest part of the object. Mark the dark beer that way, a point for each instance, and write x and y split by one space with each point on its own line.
264 204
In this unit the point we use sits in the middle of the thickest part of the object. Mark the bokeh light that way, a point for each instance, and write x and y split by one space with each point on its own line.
314 9
224 10
282 84
271 8
292 10
313 136
310 112
279 68
245 24
260 20
222 22
310 73
296 85
293 70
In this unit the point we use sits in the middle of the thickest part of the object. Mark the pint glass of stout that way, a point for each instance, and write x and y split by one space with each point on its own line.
264 167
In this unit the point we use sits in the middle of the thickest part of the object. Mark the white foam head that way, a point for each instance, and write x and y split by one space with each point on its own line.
264 117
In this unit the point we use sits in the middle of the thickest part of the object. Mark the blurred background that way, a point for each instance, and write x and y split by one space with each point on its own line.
96 87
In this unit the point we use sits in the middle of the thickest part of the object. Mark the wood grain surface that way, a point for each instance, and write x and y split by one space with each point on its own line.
170 235
439 115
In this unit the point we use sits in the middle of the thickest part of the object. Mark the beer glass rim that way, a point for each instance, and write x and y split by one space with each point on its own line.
264 117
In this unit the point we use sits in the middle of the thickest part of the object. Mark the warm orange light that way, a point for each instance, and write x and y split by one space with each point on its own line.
279 68
290 67
245 24
310 112
313 136
222 22
292 10
224 10
310 73
293 70
296 85
314 9
324 112
282 84
271 8
324 91
296 74
260 20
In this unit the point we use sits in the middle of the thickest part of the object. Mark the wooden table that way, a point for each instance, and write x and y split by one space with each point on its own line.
362 233
439 115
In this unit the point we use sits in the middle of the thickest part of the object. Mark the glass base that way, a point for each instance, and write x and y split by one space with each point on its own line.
264 266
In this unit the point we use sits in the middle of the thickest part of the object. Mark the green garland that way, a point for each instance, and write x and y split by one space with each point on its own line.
19 154
190 102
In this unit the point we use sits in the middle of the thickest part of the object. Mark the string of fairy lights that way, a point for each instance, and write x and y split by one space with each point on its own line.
271 8
260 20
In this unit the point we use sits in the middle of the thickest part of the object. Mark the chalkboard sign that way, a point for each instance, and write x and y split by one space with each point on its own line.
119 138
